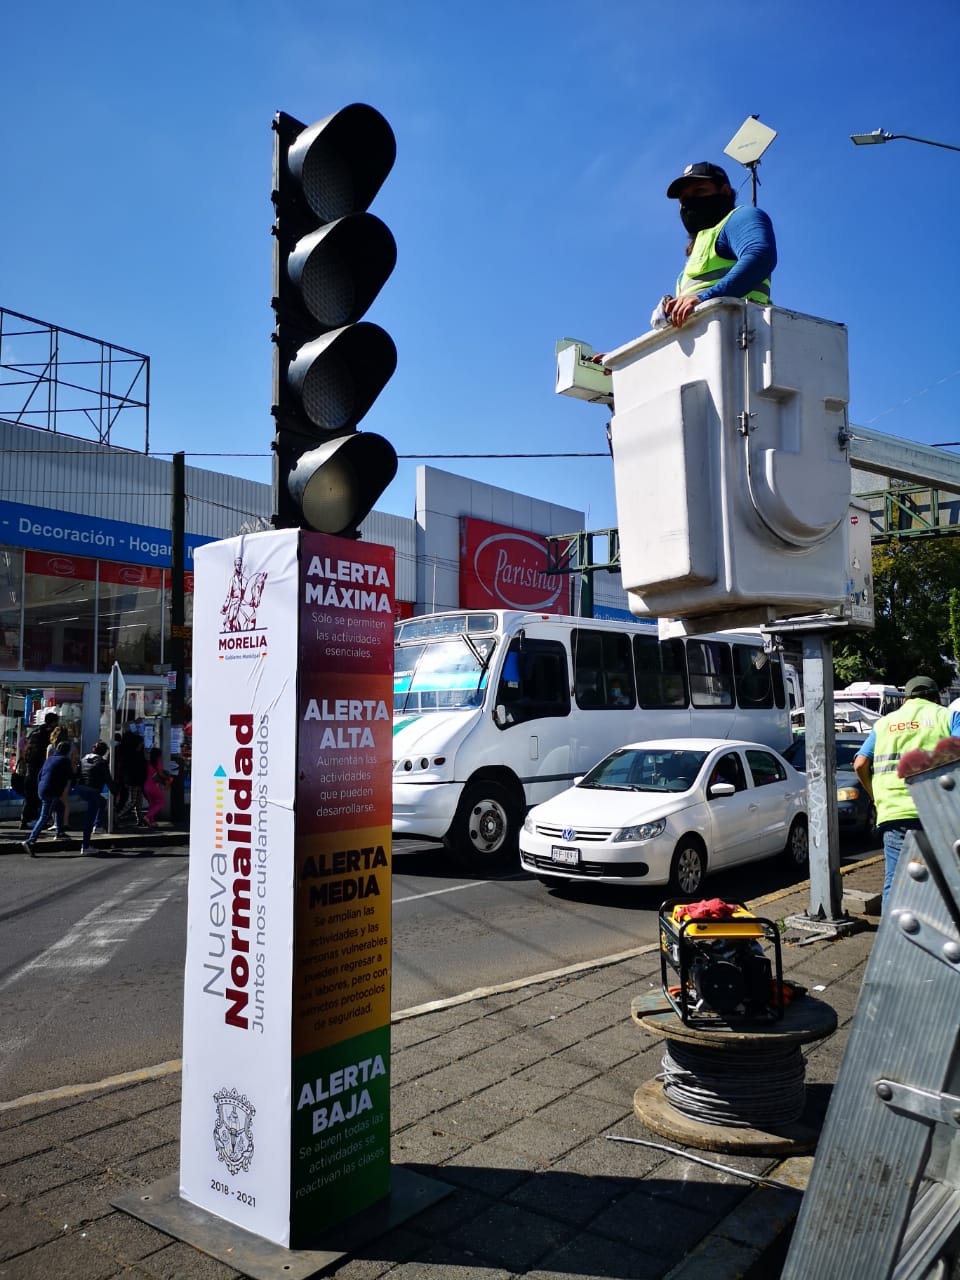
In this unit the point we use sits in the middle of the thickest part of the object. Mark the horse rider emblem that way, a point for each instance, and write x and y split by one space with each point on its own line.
239 610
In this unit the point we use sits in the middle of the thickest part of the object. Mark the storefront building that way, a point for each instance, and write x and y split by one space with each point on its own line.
85 577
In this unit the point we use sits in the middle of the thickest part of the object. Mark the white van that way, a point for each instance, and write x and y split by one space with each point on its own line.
495 711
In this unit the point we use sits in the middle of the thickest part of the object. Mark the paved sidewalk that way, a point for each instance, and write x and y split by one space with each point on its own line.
126 838
509 1098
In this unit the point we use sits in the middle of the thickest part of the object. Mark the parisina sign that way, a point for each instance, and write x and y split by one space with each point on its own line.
502 568
286 1096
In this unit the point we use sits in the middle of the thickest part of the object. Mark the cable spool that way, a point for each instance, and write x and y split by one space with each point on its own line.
750 1088
734 1088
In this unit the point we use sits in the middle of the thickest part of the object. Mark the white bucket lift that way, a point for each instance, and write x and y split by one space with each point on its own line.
731 466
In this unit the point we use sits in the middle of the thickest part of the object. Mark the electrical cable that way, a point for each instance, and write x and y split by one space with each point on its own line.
742 1088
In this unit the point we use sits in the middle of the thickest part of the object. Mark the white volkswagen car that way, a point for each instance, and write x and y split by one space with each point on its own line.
669 812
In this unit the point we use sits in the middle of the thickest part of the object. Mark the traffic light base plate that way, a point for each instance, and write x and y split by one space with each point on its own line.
160 1205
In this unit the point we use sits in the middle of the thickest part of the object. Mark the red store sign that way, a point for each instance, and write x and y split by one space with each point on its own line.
502 568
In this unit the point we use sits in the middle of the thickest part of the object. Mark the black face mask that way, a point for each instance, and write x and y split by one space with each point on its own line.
699 212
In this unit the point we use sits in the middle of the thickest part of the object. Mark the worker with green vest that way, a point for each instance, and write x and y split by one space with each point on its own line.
917 725
732 250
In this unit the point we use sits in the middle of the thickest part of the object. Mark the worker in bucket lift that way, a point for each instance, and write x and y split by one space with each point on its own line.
731 252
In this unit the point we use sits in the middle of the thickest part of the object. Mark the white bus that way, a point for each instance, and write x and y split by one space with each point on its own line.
869 701
497 711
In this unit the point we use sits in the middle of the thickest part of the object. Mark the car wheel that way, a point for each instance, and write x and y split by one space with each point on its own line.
797 849
483 835
688 868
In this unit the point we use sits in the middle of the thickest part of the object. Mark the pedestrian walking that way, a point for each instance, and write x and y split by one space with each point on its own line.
32 758
156 786
94 776
133 776
56 774
61 733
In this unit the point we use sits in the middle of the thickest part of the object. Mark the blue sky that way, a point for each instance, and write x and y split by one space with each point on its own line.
535 144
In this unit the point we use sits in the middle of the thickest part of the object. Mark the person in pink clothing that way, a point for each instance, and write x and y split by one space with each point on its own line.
155 787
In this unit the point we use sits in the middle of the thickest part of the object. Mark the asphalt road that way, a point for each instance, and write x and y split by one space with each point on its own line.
91 969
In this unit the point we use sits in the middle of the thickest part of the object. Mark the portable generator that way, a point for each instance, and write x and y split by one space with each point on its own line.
718 952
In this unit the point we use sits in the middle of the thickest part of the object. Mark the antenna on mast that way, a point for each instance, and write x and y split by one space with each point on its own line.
747 146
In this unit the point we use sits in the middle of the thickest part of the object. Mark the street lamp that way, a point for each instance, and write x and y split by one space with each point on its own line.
880 135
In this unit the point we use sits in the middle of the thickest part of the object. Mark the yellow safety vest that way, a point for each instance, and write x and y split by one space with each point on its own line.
705 266
917 725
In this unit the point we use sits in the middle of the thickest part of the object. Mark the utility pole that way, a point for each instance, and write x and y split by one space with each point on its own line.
178 630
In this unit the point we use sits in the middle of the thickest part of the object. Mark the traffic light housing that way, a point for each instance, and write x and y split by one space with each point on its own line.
331 258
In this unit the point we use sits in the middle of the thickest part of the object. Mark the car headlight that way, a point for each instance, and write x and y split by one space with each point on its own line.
528 824
847 793
643 831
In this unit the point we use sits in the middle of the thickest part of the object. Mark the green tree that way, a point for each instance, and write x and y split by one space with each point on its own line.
914 581
955 625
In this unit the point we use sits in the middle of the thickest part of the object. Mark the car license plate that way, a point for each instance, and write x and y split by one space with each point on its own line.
564 854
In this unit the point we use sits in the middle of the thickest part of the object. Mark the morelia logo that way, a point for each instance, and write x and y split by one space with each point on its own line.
239 631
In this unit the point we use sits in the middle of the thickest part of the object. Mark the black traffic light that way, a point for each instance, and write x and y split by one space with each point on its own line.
331 258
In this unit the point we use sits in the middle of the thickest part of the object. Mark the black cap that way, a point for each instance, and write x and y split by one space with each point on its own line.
922 687
704 169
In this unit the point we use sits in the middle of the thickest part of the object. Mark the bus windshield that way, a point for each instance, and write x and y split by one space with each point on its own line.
441 675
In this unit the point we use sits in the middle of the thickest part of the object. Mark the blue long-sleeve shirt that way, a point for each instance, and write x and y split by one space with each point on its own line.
747 237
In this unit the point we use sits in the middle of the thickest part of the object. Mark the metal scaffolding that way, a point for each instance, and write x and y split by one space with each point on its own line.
58 380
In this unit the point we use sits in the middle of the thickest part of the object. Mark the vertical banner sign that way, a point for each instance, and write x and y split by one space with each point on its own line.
285 1125
341 978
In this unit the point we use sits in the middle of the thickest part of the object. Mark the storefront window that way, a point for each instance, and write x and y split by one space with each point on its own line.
129 618
23 707
58 612
11 586
142 709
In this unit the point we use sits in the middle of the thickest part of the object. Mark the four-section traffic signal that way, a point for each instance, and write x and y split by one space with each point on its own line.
331 259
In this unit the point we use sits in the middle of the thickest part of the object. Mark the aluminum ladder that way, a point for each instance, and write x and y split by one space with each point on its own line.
883 1199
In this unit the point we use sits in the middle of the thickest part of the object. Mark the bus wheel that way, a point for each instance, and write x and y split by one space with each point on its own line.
688 867
483 835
